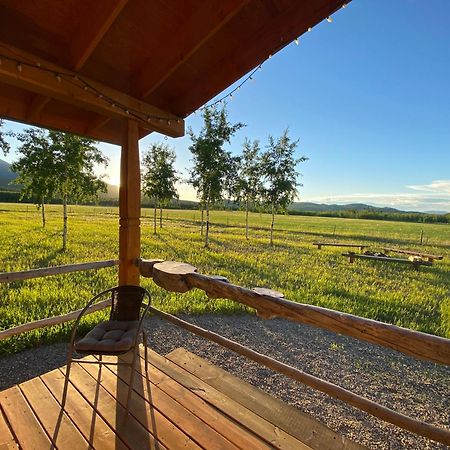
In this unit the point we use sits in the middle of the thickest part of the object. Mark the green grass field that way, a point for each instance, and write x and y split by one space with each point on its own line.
388 292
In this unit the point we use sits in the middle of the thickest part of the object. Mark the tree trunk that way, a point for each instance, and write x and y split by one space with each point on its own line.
207 226
246 219
160 216
202 222
271 224
43 211
154 215
64 222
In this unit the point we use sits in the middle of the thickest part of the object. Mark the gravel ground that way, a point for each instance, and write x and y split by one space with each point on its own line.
416 388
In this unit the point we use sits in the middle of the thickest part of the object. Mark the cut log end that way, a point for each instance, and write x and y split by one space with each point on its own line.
146 266
170 275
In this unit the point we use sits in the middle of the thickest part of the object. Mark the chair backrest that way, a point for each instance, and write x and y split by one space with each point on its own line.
127 302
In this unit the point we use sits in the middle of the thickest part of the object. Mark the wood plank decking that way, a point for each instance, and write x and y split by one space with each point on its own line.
180 401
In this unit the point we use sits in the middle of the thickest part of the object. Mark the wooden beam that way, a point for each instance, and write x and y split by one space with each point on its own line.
129 206
93 30
8 277
81 91
420 345
210 17
97 124
37 105
51 321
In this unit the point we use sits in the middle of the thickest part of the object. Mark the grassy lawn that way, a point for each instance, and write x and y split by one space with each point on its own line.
391 293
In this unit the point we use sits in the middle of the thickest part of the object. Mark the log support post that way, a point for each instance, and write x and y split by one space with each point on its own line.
129 206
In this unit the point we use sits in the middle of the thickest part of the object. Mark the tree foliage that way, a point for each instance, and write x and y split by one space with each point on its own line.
248 185
4 144
159 176
58 164
278 166
213 166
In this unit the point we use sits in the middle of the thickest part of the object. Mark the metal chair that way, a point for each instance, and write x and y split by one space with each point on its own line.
116 336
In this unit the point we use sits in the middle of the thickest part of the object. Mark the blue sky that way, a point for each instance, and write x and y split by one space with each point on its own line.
368 95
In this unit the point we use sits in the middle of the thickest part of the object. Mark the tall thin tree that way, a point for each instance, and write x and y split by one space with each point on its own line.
278 166
159 177
212 163
248 187
58 164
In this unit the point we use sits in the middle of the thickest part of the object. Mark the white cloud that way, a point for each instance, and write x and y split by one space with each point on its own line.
441 186
430 197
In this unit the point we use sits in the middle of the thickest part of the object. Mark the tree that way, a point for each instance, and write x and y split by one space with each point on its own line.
159 177
4 145
212 164
248 187
58 164
280 177
35 168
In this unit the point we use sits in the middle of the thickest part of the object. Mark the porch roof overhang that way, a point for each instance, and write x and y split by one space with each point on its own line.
83 66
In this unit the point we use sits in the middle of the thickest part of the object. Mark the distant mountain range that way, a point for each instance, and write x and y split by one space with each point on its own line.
6 177
320 207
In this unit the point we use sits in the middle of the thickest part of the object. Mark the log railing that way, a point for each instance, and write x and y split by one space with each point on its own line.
181 277
52 320
375 409
8 277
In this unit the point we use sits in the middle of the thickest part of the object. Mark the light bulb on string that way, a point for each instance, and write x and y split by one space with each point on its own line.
297 41
309 29
19 67
329 19
58 77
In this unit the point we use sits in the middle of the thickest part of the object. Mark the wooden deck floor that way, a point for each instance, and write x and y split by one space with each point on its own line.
184 403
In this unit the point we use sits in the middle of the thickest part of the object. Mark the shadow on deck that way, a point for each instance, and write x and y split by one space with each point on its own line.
180 401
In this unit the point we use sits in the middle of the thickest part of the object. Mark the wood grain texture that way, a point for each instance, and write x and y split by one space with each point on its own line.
388 415
27 429
129 206
171 275
8 277
298 424
415 343
72 90
52 320
235 434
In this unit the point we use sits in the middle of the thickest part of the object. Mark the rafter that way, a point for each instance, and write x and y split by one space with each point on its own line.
37 105
70 89
210 17
93 30
242 57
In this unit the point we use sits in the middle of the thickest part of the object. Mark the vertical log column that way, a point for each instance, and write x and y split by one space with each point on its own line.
129 206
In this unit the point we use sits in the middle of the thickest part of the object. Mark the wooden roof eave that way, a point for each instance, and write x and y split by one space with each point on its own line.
46 81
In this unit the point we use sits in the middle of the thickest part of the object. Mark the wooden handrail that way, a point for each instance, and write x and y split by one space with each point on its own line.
181 277
52 320
7 277
362 403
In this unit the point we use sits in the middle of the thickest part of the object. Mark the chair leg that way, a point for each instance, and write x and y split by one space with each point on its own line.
130 387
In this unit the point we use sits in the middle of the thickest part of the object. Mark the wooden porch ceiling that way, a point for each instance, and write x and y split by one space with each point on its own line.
158 61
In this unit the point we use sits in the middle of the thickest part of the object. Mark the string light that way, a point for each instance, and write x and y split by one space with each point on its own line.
135 113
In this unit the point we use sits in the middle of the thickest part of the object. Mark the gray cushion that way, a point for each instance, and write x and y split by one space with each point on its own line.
110 337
